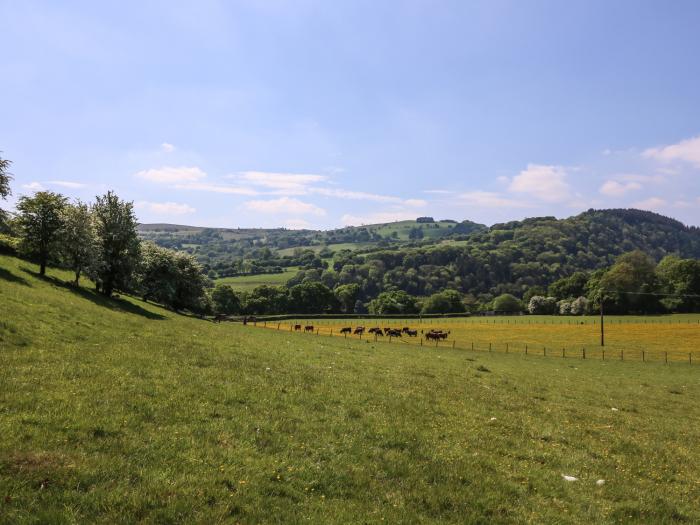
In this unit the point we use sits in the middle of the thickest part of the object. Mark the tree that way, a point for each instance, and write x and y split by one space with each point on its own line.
78 239
347 295
579 306
225 300
171 278
311 298
507 303
569 287
40 221
118 243
396 302
680 277
415 233
445 302
540 305
5 179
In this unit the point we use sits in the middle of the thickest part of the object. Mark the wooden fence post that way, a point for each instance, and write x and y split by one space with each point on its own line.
666 357
583 352
643 356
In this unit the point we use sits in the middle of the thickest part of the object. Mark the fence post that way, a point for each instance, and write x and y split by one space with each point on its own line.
545 351
603 354
666 357
643 356
506 348
563 352
472 346
622 355
421 341
583 352
690 358
453 343
489 347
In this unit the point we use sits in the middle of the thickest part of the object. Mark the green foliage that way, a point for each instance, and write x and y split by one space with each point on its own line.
310 298
568 287
507 303
347 295
225 300
395 302
170 278
680 277
5 189
276 299
128 413
540 305
118 247
40 222
78 239
628 286
448 301
9 245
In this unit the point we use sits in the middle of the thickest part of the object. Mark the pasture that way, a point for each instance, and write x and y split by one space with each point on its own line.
118 411
248 282
672 338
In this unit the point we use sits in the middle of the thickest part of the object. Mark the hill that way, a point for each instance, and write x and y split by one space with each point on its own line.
117 411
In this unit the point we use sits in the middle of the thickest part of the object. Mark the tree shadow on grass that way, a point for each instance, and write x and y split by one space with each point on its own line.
11 277
113 303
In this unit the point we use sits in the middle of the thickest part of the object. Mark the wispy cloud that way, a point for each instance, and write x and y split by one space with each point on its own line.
284 182
284 205
612 188
544 182
34 186
651 204
67 184
167 147
171 175
165 209
217 188
376 218
686 151
488 199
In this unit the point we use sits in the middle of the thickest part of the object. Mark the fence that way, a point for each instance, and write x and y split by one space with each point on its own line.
601 353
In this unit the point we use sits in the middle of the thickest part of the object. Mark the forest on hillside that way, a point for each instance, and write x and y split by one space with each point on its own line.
634 261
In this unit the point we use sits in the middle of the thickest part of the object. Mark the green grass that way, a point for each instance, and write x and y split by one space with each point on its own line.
116 411
248 282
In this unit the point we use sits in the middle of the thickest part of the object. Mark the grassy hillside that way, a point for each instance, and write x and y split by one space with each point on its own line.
118 411
248 282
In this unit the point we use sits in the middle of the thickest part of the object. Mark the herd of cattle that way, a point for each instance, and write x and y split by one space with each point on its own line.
434 335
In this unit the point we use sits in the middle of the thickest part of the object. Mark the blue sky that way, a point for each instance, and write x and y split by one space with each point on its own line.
320 114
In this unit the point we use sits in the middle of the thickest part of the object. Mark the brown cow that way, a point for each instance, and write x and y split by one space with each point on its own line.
346 330
309 328
297 328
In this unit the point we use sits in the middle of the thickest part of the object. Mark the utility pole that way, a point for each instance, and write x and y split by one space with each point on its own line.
602 323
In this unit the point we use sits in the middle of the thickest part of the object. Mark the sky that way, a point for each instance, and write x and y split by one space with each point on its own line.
318 114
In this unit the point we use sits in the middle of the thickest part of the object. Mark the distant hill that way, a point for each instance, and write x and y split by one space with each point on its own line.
423 256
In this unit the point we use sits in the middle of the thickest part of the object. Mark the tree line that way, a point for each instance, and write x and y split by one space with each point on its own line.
539 265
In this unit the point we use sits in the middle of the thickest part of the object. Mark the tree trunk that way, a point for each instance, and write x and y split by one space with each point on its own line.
42 267
77 278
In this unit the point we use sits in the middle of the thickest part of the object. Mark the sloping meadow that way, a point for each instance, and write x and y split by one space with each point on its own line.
116 411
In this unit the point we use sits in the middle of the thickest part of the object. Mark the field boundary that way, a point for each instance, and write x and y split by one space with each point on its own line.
526 349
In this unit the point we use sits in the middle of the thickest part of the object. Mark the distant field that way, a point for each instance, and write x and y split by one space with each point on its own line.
118 411
248 282
334 247
653 338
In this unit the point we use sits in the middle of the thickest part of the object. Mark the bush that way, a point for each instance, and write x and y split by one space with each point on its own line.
579 306
8 244
540 305
507 303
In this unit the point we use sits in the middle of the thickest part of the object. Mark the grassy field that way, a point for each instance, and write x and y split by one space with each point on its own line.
248 282
654 339
117 411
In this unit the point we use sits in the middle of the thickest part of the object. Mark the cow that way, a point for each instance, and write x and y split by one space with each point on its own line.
405 329
309 328
359 330
394 332
432 336
412 333
346 330
297 328
387 330
374 330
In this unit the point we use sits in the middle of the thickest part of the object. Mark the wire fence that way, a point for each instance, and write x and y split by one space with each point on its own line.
329 329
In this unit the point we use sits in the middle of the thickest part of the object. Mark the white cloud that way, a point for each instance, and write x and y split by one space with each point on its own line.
686 150
166 209
285 205
167 147
297 224
613 188
415 203
650 204
488 199
286 182
216 188
67 184
376 218
438 192
170 175
33 186
364 196
546 183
